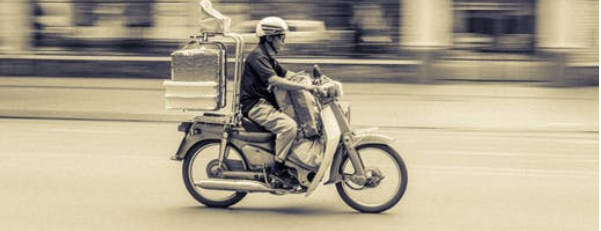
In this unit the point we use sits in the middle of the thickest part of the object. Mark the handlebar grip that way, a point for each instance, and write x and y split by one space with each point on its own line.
316 72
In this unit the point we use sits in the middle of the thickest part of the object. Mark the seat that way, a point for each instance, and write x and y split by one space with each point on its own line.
251 126
253 137
252 132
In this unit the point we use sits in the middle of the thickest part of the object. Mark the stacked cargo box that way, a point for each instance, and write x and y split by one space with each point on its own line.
197 79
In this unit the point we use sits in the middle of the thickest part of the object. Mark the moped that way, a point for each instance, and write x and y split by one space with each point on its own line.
227 156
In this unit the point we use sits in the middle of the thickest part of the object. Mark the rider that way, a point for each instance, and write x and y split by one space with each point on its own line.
261 72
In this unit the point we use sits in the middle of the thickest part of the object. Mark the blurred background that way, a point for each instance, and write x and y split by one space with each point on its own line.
493 104
553 41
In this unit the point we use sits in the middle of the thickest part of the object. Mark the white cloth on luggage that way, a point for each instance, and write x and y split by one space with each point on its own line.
211 21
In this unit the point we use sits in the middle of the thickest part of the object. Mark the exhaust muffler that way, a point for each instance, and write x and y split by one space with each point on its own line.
234 185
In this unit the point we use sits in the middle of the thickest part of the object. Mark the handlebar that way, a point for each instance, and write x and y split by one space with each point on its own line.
316 72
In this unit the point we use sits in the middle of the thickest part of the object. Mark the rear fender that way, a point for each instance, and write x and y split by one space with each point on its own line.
196 133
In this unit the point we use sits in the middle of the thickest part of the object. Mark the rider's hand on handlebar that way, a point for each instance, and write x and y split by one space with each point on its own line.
314 89
317 90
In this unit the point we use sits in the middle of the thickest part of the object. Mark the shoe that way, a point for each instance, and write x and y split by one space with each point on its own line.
279 176
281 182
278 169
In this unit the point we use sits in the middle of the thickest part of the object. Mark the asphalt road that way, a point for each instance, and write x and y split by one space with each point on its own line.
480 157
103 175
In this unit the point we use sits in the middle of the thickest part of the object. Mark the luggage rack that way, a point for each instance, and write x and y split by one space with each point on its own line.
235 117
214 118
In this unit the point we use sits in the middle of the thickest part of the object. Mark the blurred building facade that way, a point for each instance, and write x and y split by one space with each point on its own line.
426 29
479 25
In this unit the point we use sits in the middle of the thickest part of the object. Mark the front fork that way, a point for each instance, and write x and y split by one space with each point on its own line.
348 148
359 176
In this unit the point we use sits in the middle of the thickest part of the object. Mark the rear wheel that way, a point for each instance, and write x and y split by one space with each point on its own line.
202 164
386 179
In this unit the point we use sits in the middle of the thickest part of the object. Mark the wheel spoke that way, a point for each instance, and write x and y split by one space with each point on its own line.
205 162
203 165
381 162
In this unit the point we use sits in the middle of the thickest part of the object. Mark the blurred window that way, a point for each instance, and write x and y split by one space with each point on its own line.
502 26
139 14
480 25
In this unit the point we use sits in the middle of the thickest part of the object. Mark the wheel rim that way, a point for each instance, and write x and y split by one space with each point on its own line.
387 178
202 164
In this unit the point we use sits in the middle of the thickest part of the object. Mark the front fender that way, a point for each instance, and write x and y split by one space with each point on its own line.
365 136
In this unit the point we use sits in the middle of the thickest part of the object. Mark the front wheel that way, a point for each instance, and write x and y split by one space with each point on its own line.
386 183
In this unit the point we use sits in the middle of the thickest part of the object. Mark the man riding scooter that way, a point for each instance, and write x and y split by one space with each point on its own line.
261 72
225 156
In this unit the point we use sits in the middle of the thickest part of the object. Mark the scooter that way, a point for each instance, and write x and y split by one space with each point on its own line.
227 156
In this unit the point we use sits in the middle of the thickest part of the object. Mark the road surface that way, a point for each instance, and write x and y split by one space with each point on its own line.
525 162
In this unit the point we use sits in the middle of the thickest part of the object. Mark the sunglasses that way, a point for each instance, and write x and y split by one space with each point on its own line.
281 37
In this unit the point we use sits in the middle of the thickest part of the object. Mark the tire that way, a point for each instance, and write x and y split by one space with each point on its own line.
395 167
195 169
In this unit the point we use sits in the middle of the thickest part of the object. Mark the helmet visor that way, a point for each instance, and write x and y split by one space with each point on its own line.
273 30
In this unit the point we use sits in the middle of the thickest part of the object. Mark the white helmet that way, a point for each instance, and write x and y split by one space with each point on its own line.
271 26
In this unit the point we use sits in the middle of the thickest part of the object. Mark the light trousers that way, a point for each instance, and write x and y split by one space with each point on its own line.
278 123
